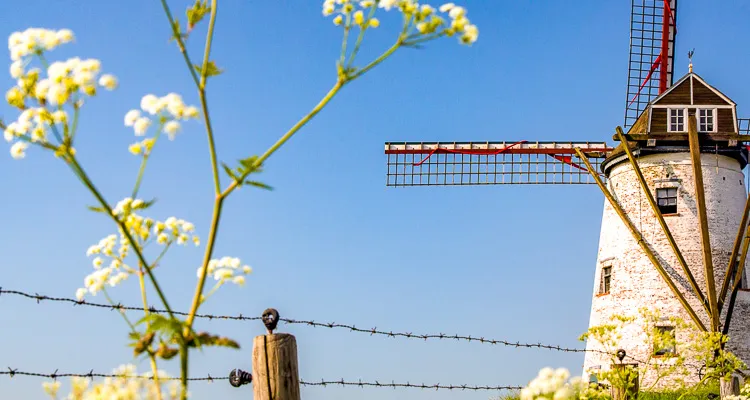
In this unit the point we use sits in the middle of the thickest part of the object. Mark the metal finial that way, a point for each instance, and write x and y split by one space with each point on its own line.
690 58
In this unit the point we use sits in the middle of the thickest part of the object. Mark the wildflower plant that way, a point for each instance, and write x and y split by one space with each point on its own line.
695 348
50 97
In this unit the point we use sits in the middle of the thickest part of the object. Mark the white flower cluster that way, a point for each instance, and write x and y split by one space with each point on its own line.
32 40
227 269
345 9
553 385
113 274
66 82
127 385
170 109
142 229
423 17
33 124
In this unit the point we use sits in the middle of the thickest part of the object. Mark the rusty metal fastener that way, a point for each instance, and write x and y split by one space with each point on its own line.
238 377
270 319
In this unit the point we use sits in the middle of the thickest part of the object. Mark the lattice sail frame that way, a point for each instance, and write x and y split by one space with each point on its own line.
645 68
491 163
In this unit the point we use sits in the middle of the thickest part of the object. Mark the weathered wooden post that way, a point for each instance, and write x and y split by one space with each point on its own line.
275 371
628 387
729 387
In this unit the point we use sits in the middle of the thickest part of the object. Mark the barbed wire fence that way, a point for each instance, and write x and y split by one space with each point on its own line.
11 372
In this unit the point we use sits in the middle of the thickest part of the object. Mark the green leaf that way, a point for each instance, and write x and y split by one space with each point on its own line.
143 343
97 209
165 327
145 205
207 339
229 171
258 185
177 31
197 12
165 352
211 69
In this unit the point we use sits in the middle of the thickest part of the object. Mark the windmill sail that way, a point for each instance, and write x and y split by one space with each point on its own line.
491 163
653 27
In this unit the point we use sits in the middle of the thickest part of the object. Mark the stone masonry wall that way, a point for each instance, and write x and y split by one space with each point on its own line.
635 282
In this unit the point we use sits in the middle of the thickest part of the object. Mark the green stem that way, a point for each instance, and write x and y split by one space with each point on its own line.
361 35
142 168
206 258
331 93
180 43
211 143
87 182
347 27
204 101
74 127
163 252
378 60
408 42
125 317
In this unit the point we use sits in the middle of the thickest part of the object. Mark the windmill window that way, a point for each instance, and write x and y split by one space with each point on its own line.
606 280
665 342
666 199
706 120
676 120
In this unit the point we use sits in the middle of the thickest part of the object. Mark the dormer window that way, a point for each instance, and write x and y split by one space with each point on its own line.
676 120
706 120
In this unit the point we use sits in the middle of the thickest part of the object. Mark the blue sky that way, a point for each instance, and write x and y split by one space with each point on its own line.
331 242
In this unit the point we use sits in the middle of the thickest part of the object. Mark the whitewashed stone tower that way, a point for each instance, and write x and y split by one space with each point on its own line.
625 278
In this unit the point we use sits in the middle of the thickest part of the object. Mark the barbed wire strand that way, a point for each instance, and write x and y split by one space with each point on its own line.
374 331
91 375
333 325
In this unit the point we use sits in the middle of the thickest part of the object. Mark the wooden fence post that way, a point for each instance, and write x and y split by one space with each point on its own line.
630 388
729 387
275 370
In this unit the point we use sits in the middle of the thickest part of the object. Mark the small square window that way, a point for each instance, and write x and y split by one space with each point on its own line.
665 342
666 199
676 121
706 120
606 279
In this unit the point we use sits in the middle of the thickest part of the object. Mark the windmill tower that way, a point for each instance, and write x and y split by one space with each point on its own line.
675 216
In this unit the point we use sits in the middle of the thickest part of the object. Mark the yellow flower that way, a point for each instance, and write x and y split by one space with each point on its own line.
80 293
374 23
135 148
14 97
18 150
132 116
109 82
51 388
65 35
59 117
171 128
337 20
359 17
239 280
141 125
16 69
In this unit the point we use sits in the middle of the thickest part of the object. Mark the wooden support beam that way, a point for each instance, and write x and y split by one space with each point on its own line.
662 222
716 137
736 286
641 242
700 200
733 257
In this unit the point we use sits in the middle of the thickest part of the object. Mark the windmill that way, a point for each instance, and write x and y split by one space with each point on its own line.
675 216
